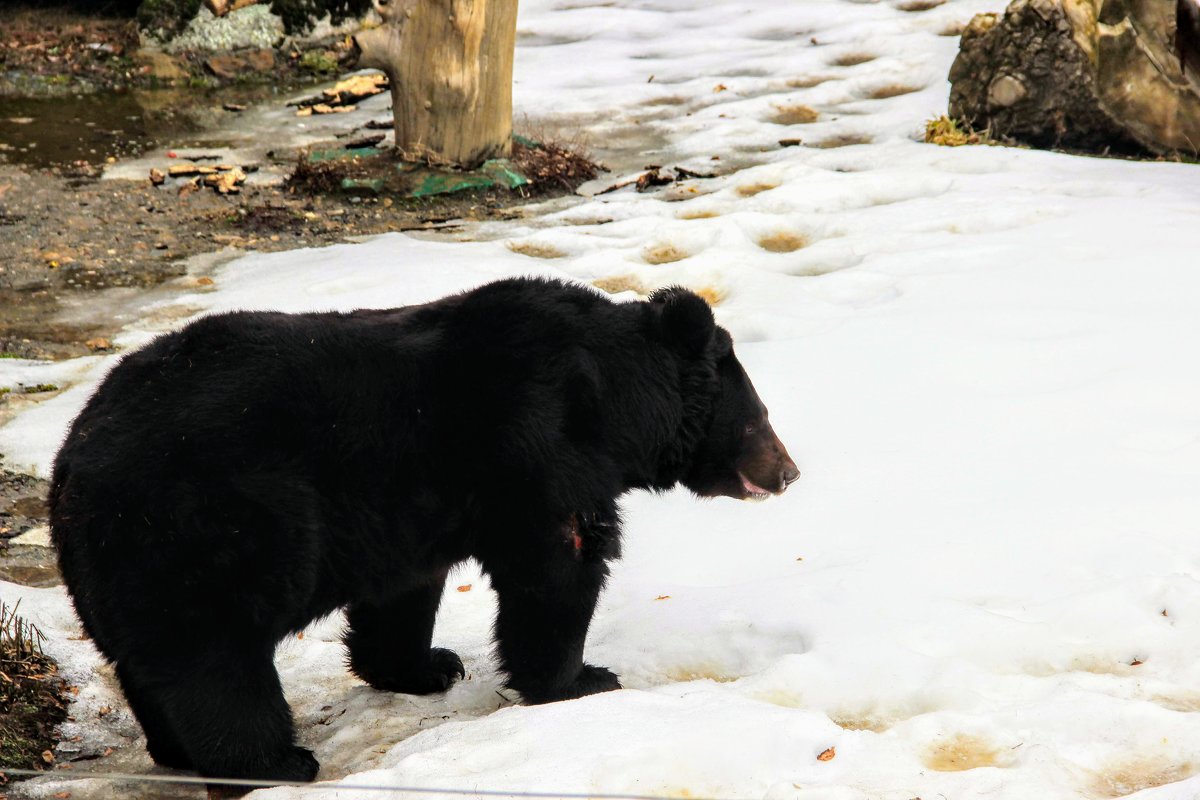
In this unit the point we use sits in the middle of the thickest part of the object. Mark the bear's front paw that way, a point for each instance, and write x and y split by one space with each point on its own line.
590 680
593 680
437 674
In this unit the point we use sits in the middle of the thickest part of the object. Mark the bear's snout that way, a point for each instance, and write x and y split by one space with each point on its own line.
791 473
766 468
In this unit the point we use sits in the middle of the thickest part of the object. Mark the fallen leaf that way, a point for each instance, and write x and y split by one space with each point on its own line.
104 711
828 754
466 587
47 756
663 597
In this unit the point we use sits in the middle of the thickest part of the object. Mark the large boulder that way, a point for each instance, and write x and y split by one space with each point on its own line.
1096 75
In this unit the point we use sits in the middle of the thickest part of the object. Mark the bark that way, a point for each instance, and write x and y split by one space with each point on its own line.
450 65
1096 75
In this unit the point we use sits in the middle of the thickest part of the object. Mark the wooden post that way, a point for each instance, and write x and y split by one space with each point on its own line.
450 65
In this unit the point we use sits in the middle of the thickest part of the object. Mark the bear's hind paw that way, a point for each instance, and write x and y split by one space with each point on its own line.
436 675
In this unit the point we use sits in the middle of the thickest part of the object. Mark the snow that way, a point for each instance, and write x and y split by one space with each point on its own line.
983 359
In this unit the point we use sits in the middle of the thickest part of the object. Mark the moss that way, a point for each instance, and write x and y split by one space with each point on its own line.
950 132
318 61
166 17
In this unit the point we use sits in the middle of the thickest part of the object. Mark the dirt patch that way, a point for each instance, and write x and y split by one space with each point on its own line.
664 253
615 284
62 47
892 90
535 249
552 166
852 59
751 189
794 115
533 170
783 242
701 672
866 721
1126 777
844 140
23 508
698 213
63 239
962 752
32 696
22 504
807 82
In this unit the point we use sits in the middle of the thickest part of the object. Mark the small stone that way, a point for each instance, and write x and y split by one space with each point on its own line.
1005 91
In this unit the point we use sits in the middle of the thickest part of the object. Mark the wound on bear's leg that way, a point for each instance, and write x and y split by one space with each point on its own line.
574 535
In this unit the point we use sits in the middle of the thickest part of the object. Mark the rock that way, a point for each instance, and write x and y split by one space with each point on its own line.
250 27
159 65
228 66
1058 73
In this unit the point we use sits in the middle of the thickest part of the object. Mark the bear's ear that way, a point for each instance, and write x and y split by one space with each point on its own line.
686 319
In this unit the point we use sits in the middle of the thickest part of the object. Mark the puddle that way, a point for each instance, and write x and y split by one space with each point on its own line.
29 565
41 132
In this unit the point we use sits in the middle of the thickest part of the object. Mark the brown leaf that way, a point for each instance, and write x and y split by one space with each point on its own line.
827 754
47 756
466 587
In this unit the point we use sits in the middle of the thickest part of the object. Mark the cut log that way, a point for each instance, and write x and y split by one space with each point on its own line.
1095 75
450 67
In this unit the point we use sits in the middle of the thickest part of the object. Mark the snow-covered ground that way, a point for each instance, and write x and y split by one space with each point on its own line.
987 583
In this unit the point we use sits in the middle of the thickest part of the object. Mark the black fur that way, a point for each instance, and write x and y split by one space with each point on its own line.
237 479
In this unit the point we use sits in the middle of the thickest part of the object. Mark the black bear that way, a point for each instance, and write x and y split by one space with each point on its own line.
234 480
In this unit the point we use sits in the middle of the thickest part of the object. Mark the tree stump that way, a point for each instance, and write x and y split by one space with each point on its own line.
1095 75
450 65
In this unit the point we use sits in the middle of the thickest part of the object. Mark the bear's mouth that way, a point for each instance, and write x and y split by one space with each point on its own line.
753 491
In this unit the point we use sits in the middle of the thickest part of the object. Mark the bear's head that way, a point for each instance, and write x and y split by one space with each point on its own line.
737 454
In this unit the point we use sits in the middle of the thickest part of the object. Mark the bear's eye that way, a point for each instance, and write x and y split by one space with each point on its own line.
751 428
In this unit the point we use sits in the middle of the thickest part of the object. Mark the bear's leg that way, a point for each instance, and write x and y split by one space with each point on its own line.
161 742
227 709
541 627
389 643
